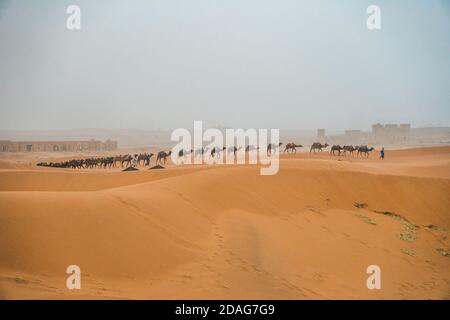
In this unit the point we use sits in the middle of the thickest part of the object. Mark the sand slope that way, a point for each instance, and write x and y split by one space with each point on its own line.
226 232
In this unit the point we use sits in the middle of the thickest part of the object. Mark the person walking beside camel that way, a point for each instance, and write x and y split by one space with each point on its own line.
382 153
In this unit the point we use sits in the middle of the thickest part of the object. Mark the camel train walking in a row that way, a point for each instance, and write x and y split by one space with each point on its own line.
143 159
360 150
102 162
347 149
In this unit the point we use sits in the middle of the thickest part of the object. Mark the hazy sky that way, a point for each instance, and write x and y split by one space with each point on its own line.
244 63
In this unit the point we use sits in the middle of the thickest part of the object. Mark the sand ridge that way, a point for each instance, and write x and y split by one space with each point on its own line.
226 232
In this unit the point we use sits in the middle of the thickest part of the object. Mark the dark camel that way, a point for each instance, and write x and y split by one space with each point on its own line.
145 158
182 153
233 149
364 150
335 148
216 151
162 155
272 147
292 146
349 149
318 146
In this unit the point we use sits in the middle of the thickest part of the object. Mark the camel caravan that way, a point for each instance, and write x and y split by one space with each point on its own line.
127 160
290 147
143 159
361 151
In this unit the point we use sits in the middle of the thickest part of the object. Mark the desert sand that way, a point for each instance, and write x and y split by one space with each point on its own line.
223 232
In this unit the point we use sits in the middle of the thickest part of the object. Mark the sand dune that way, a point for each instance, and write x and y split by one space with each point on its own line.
226 232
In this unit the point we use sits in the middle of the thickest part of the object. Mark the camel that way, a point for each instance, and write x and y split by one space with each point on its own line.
200 152
364 150
74 164
106 162
272 147
233 149
349 149
182 153
335 148
251 148
90 163
318 146
145 158
127 159
122 159
117 159
216 152
109 162
162 155
292 146
139 158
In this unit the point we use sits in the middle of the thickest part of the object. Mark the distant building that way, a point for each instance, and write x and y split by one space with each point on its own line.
405 128
391 133
353 134
381 134
377 129
57 146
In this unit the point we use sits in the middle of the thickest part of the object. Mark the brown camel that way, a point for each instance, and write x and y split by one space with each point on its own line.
118 158
145 158
292 146
318 146
162 155
335 148
349 149
364 150
123 159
